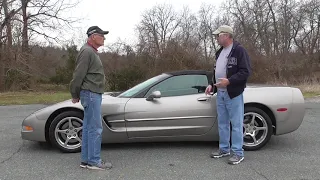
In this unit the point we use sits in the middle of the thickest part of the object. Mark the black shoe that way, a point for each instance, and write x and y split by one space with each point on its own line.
235 159
101 166
219 154
83 164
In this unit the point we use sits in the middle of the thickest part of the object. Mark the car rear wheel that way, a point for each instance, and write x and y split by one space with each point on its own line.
65 131
257 129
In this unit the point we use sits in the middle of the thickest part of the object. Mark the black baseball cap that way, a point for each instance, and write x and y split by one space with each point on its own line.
96 29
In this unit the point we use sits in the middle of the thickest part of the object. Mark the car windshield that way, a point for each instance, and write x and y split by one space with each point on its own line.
141 86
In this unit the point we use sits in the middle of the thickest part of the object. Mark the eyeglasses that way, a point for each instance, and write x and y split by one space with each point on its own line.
101 35
219 35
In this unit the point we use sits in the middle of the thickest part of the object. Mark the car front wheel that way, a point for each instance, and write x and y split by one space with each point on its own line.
65 131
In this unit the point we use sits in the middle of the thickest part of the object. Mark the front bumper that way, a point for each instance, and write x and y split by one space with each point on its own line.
33 129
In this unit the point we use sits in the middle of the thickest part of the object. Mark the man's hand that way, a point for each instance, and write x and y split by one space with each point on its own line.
75 100
223 83
208 89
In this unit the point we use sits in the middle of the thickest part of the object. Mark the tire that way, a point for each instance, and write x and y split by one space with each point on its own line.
263 136
74 132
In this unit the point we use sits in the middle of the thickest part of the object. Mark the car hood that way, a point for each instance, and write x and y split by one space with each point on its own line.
45 112
68 103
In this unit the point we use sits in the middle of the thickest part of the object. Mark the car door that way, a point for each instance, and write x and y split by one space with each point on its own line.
182 109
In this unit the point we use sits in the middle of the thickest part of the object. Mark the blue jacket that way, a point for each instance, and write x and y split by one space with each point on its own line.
238 69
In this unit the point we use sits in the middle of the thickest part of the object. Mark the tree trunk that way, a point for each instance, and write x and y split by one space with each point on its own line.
7 23
25 42
5 48
2 80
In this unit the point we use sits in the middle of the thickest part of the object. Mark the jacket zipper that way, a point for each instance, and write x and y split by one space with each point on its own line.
228 57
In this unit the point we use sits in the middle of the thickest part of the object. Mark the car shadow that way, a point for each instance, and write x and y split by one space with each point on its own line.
159 145
47 147
275 143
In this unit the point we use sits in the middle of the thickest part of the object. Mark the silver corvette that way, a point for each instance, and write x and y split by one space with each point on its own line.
169 107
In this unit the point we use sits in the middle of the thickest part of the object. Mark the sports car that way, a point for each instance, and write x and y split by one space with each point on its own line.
171 106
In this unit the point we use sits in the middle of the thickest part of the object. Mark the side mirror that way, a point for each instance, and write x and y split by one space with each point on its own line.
153 95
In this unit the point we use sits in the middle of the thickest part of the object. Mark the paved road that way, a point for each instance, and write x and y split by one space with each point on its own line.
293 156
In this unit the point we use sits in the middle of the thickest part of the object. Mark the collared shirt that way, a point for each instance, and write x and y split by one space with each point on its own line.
92 46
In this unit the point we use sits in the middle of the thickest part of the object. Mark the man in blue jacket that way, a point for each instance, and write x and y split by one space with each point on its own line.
230 77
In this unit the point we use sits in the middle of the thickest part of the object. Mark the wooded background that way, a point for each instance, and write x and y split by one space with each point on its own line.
282 38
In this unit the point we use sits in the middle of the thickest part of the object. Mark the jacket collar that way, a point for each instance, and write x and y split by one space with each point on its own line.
92 46
235 44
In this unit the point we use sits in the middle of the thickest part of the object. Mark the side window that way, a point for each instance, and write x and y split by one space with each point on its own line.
181 85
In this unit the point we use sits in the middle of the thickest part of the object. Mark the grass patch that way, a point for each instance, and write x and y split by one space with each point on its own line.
310 94
49 94
310 86
309 90
22 98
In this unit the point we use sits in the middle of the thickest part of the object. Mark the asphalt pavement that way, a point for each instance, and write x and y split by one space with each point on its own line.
295 156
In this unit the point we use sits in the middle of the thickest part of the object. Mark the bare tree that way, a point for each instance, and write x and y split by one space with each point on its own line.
6 24
240 10
8 15
158 26
306 27
282 37
24 19
205 29
187 33
45 17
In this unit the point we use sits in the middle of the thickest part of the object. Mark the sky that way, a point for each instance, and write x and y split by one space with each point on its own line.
121 16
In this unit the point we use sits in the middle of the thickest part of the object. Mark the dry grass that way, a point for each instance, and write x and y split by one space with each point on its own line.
40 94
21 98
310 86
48 94
309 90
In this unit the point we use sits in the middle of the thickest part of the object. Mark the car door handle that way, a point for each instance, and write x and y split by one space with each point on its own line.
203 99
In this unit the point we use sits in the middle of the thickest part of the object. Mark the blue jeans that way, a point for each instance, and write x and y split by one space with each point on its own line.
230 110
92 127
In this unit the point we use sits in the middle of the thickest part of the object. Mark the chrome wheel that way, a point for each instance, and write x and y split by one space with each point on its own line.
255 129
68 132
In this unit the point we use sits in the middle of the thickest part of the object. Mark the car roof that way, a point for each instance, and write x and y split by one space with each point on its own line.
188 72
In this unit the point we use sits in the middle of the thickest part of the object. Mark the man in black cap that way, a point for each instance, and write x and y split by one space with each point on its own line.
88 85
